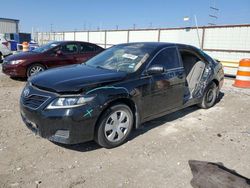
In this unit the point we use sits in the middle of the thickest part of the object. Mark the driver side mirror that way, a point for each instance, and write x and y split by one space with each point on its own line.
155 69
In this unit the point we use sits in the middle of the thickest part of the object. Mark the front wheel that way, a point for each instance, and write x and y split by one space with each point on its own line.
34 69
209 97
114 126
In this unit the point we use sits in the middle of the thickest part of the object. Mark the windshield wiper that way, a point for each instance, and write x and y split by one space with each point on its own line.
100 67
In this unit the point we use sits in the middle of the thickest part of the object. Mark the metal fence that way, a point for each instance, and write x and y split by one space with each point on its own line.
226 43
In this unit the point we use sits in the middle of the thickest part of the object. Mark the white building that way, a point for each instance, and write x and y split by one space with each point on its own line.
8 25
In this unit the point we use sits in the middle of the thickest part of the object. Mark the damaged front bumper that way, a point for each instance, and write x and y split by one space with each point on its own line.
67 126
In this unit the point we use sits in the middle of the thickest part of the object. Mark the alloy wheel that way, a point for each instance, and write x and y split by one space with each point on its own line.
35 70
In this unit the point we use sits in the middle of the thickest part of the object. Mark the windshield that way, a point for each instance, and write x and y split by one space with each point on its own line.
46 47
127 58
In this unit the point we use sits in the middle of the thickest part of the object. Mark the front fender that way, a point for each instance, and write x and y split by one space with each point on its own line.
108 95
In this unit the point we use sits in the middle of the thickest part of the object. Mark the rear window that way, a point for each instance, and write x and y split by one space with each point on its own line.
87 48
168 58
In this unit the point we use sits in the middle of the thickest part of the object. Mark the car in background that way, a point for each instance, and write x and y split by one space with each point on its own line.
4 50
51 55
117 90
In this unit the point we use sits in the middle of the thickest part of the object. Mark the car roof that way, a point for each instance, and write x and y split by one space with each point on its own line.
149 44
71 41
158 44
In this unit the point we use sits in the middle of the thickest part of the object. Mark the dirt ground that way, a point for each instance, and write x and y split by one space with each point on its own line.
156 156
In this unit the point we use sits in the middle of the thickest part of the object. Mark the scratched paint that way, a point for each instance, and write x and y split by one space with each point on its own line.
201 86
107 87
88 113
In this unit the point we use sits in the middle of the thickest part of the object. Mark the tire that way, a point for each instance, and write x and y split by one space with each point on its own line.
113 128
209 97
1 57
34 69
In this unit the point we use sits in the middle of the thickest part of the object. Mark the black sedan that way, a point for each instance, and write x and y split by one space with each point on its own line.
117 90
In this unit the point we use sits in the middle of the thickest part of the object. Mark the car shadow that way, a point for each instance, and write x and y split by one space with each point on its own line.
19 79
220 96
81 147
145 127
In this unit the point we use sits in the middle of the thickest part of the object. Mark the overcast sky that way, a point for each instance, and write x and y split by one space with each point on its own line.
60 15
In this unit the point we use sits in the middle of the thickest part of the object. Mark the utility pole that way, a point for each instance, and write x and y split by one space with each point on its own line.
51 28
213 13
187 19
90 27
84 26
32 33
150 25
197 30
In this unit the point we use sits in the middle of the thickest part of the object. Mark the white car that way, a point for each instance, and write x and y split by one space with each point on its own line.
4 50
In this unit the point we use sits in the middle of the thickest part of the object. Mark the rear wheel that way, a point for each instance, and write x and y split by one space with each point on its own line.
114 126
34 69
209 97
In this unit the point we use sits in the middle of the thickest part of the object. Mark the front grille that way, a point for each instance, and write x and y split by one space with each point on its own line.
34 101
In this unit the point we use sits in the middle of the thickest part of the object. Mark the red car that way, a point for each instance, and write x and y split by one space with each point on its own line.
53 54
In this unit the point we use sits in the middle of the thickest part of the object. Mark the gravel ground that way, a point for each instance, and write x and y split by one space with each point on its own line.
156 156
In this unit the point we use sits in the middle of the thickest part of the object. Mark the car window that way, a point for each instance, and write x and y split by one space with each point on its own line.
87 48
168 58
69 48
128 58
46 47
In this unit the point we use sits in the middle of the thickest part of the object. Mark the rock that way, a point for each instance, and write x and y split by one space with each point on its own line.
71 166
38 182
219 135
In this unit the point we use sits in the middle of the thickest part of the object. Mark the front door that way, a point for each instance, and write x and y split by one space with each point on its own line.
68 55
166 89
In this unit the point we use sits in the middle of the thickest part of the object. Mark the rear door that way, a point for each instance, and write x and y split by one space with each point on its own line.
86 51
167 89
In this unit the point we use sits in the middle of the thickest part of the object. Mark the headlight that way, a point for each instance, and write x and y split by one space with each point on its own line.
69 102
16 62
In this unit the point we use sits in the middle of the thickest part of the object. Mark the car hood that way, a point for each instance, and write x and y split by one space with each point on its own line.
75 78
22 55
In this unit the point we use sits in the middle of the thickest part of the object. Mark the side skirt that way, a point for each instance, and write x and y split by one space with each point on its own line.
187 104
